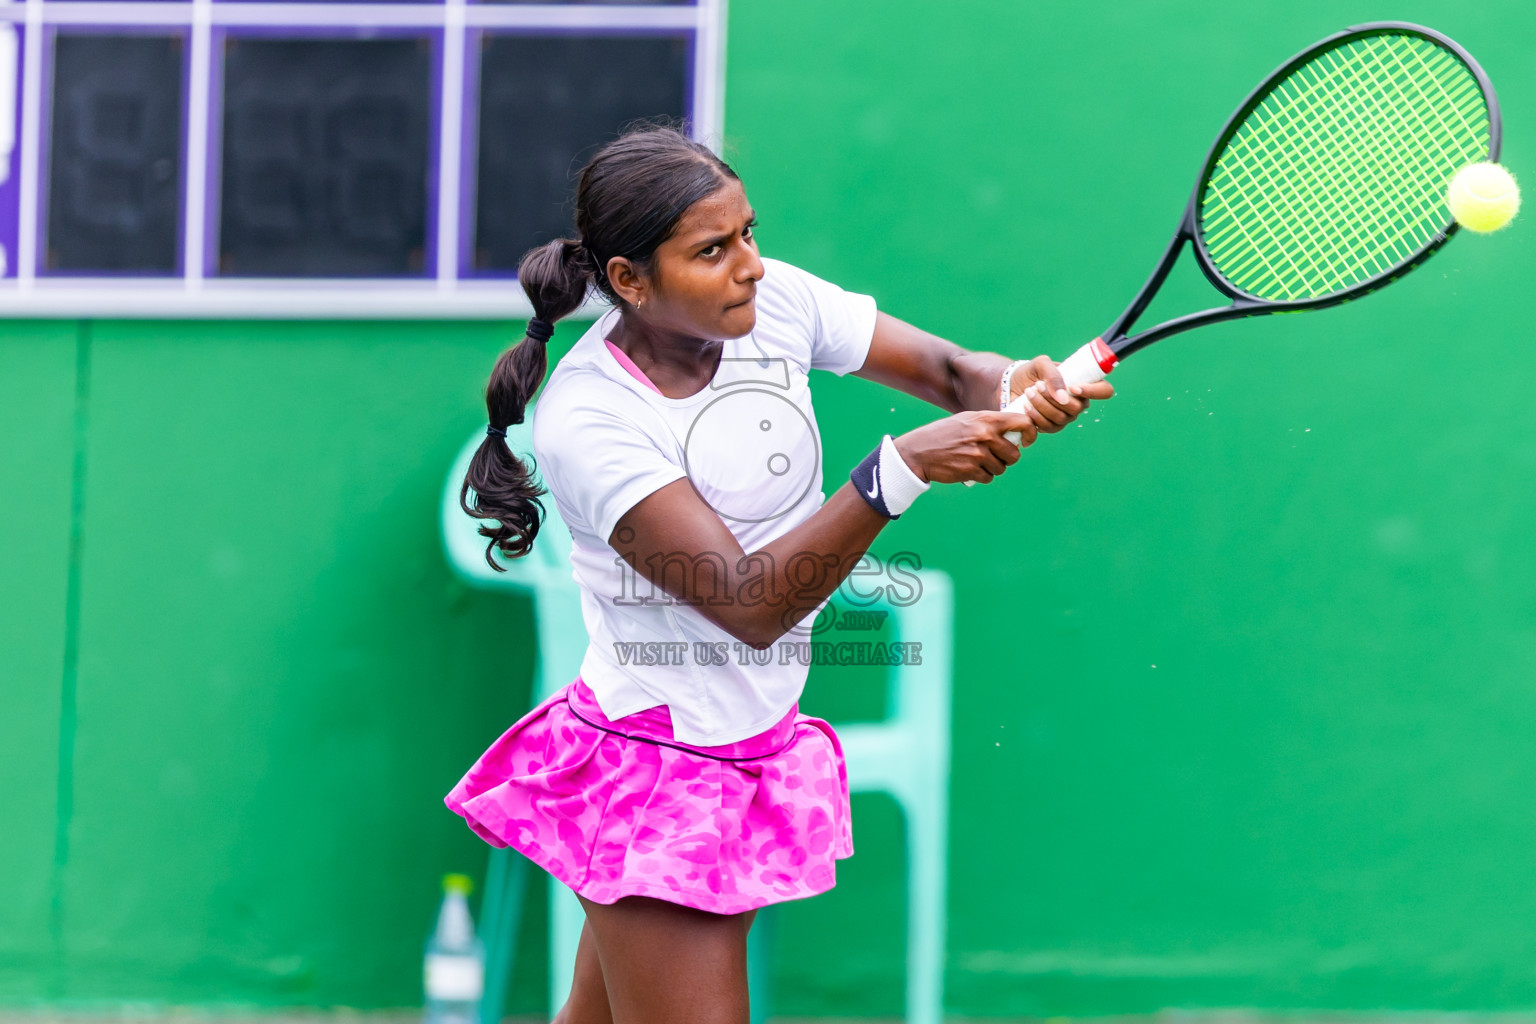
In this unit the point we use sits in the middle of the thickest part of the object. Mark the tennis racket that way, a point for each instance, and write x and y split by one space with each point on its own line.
1327 183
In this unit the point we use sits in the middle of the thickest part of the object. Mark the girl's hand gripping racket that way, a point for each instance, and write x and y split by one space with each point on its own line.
1327 183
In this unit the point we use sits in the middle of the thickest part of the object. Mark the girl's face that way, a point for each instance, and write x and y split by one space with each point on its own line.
704 278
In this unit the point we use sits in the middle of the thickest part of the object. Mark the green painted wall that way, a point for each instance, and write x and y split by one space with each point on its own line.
236 677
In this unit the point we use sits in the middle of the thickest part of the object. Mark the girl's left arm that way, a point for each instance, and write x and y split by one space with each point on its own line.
955 379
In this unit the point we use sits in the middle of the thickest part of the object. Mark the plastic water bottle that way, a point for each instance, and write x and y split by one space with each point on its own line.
454 971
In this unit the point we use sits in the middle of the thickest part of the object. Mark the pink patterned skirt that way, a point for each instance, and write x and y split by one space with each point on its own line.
620 808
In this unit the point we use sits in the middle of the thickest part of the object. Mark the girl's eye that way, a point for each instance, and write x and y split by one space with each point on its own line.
715 250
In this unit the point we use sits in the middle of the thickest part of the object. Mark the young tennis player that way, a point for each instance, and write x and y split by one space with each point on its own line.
674 785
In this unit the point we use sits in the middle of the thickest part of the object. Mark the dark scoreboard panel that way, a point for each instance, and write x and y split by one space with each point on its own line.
246 158
325 156
114 177
545 106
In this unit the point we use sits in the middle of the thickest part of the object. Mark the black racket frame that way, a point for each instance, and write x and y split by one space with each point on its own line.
1245 304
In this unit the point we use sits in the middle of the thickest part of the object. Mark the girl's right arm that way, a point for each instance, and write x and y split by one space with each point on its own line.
675 540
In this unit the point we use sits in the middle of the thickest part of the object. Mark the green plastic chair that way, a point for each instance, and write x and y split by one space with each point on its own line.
544 575
906 756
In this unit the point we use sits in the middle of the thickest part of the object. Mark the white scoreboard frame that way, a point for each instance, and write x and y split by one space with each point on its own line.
444 294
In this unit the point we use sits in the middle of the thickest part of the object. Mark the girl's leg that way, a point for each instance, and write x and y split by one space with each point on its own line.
588 1002
662 963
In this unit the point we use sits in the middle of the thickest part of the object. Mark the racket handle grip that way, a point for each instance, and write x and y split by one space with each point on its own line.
1092 362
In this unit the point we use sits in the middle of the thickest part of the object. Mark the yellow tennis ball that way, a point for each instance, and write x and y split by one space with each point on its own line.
1483 197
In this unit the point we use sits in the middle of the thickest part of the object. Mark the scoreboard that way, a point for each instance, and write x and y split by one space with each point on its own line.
316 158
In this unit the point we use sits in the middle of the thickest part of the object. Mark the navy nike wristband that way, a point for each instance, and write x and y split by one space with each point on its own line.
886 482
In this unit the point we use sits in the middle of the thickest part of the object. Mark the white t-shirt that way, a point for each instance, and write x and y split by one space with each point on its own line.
603 440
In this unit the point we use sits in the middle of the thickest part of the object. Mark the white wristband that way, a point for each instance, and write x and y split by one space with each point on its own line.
901 486
1005 386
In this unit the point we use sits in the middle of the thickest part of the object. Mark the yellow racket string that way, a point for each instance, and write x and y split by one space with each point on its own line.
1339 174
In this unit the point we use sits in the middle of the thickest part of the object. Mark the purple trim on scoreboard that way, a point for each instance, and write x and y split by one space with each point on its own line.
326 30
589 3
213 173
434 169
469 151
10 191
184 148
435 3
45 148
690 86
215 180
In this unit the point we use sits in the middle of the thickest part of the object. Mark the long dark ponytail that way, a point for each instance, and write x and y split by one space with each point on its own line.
631 195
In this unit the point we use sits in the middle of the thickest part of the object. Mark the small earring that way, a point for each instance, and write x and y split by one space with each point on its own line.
639 303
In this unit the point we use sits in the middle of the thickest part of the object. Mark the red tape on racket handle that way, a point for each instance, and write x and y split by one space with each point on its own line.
1092 362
